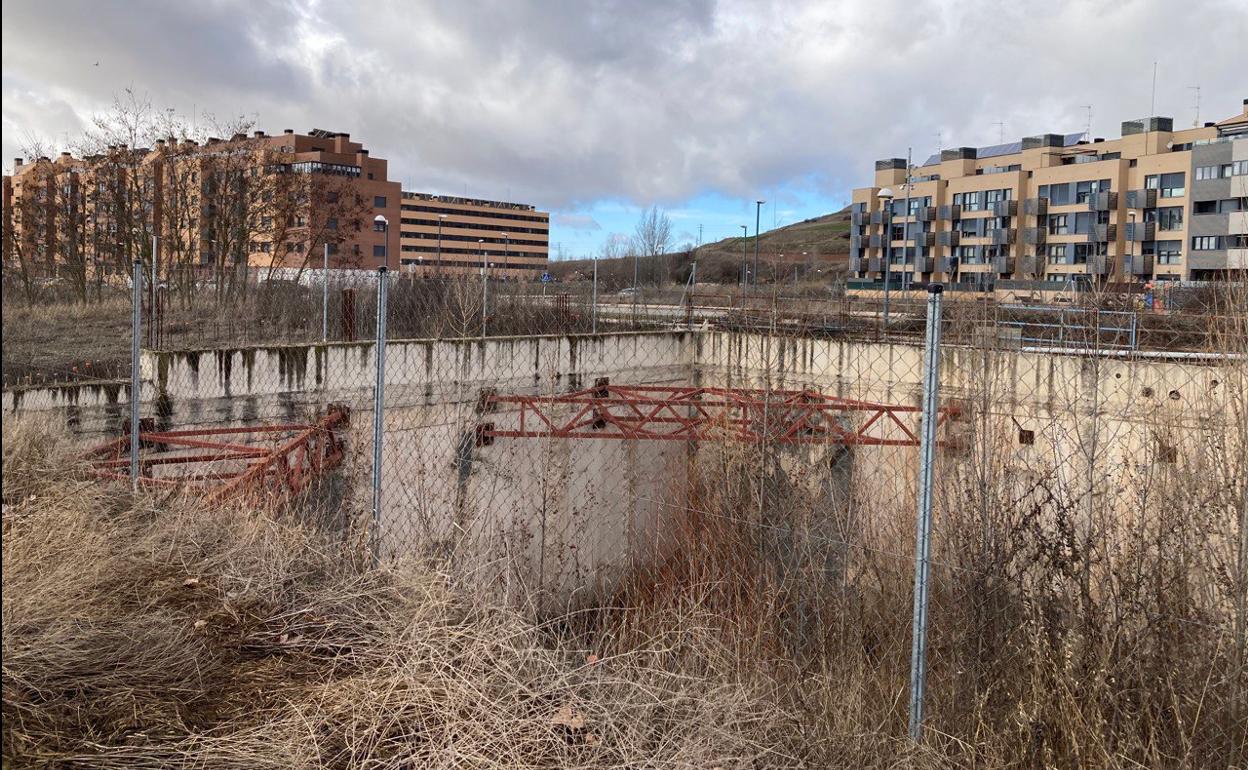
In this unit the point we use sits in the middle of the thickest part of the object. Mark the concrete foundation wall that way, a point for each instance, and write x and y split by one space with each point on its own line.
572 515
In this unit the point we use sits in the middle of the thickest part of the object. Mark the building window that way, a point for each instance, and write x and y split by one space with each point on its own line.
1167 218
1057 225
331 196
1170 185
1057 253
1205 243
331 223
1239 168
379 251
1238 241
379 202
1168 252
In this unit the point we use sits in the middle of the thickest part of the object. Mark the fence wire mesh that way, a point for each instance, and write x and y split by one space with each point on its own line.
754 457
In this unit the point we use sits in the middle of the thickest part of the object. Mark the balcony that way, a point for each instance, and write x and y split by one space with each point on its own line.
1003 265
1103 201
1103 233
875 264
948 238
950 211
855 263
949 265
1031 264
924 264
926 213
1138 265
877 217
1036 206
1005 209
858 218
1141 199
1100 264
1141 231
1035 236
1002 236
876 241
924 239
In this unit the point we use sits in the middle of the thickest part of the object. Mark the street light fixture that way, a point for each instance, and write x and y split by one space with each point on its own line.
886 242
382 225
758 208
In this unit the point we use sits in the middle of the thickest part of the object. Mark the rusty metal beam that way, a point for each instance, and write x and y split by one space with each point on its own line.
672 413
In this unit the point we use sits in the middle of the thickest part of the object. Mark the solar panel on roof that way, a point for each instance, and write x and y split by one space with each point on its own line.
1009 148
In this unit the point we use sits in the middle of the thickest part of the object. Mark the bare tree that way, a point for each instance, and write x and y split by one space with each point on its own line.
651 238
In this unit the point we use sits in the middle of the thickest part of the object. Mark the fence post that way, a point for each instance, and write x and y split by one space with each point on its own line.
923 543
325 296
485 295
379 398
136 323
594 310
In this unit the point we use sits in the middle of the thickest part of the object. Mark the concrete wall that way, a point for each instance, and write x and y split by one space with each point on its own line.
571 515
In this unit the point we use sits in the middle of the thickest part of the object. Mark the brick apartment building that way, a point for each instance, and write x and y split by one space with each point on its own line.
261 201
1156 204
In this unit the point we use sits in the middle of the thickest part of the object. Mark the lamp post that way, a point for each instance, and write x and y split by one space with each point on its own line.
745 260
1131 237
438 266
382 225
507 253
758 208
886 243
485 286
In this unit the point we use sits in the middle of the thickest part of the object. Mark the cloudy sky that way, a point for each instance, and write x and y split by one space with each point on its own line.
593 109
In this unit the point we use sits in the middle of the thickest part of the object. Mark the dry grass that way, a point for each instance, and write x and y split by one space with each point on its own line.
161 633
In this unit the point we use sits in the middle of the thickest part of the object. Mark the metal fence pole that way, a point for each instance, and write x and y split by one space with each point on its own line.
136 324
594 311
923 543
325 296
485 295
379 397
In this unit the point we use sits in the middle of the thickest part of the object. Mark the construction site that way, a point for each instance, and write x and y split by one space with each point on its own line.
759 462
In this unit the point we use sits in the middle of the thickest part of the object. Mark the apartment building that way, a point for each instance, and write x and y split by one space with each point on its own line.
444 235
1155 204
287 201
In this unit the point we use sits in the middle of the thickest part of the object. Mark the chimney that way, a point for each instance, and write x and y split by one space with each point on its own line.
17 162
160 142
1210 124
257 134
288 131
238 137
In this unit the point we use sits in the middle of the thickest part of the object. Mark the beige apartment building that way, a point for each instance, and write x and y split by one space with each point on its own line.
1158 203
444 235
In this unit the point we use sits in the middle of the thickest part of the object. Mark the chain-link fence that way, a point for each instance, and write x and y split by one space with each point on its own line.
762 458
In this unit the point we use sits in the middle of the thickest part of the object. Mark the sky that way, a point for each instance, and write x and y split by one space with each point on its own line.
595 110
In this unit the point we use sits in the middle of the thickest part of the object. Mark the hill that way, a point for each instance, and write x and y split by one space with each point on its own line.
819 244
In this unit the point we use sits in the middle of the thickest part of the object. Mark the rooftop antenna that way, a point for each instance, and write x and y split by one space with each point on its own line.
1001 131
1152 105
1196 121
1087 134
939 142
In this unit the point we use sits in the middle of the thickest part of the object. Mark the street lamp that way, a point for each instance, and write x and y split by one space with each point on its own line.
506 252
485 286
886 242
1131 238
438 265
382 225
758 208
745 260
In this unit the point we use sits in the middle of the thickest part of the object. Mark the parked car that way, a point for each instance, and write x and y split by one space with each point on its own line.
629 292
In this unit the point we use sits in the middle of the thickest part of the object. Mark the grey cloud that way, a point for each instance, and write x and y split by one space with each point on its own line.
580 222
563 103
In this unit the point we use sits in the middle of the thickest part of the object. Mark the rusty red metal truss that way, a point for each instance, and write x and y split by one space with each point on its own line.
269 460
670 413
